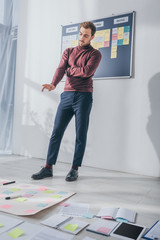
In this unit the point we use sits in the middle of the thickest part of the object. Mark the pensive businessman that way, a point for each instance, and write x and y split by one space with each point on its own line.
79 64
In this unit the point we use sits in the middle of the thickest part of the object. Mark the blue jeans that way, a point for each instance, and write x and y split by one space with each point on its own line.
72 103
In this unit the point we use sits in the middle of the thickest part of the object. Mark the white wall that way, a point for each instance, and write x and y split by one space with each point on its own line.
124 131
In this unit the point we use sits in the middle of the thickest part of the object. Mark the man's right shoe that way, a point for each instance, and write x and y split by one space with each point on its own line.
43 173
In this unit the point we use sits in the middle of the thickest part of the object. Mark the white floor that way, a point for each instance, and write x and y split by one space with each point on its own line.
98 187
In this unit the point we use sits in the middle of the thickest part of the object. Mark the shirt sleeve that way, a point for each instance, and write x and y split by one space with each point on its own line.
60 71
88 70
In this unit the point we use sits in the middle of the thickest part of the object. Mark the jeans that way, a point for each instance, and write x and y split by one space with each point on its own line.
72 103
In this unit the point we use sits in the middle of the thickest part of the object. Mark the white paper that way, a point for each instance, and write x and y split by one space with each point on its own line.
49 234
75 209
8 223
154 232
107 212
55 220
28 228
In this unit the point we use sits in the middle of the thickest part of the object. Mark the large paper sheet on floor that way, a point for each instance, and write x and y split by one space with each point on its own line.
29 199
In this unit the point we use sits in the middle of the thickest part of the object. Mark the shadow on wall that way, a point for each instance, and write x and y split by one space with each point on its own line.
153 126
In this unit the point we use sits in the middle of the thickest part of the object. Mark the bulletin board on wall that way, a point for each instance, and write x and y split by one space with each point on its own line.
113 38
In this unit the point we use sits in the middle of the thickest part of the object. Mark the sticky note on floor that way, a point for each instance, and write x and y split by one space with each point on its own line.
71 227
1 225
15 233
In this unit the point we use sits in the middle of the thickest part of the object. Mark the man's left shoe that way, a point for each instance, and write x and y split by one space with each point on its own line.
72 175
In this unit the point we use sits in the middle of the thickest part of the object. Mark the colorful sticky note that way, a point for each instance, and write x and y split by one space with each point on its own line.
63 204
6 206
31 192
56 196
30 211
15 233
28 195
62 192
7 192
15 189
42 188
88 215
71 227
1 225
42 205
20 199
48 191
126 28
104 230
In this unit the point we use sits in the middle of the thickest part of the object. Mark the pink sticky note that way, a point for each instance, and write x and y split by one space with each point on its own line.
30 211
63 204
106 43
6 206
42 188
104 230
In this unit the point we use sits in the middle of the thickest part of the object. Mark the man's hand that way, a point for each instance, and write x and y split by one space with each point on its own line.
50 87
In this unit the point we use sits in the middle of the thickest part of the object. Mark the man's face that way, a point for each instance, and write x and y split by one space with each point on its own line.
85 36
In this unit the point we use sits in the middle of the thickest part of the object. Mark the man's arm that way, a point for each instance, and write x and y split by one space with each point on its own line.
59 72
88 70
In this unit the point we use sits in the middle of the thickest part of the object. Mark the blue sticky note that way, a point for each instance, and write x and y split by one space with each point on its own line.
62 192
126 28
88 215
7 192
42 205
120 42
121 220
31 192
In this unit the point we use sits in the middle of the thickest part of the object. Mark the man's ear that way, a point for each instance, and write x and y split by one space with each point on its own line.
92 37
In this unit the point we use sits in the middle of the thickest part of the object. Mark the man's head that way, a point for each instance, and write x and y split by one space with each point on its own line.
86 34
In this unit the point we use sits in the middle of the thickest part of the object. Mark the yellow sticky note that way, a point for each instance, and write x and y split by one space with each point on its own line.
71 227
1 225
17 232
113 54
21 199
126 41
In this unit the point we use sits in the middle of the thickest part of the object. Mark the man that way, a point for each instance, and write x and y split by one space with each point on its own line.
79 64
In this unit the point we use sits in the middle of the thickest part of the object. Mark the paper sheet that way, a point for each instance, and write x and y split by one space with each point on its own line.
75 209
30 198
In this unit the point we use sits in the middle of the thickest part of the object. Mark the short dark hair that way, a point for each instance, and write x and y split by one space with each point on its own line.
89 25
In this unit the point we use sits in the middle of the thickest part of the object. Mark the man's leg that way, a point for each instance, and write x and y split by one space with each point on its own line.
63 117
82 108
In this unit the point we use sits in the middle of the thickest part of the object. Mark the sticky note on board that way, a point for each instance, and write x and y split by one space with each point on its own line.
48 191
15 189
15 233
71 227
56 196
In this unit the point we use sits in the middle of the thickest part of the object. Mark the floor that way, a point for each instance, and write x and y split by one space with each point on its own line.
98 187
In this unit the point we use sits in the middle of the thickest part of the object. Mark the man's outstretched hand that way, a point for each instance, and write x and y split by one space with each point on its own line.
50 87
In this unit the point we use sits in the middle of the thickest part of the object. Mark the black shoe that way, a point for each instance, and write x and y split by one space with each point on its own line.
43 173
72 175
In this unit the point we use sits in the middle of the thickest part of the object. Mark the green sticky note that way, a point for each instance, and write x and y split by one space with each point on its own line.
15 189
56 196
1 225
48 191
21 199
71 227
15 233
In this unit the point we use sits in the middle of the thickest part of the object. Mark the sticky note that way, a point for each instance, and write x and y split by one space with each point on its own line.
48 191
104 230
42 205
30 211
71 227
20 199
15 189
62 192
42 188
63 204
88 215
56 196
6 206
15 233
1 225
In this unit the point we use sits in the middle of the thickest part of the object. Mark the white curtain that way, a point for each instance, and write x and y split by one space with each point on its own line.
8 46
